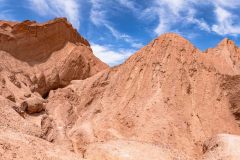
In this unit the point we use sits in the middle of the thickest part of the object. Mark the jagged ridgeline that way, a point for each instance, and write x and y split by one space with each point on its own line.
167 101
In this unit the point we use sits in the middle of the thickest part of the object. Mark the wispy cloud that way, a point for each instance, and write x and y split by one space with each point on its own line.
99 17
97 14
129 4
5 14
58 8
169 13
225 18
172 13
109 55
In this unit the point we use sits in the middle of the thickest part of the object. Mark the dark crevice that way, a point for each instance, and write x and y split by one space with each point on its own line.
45 95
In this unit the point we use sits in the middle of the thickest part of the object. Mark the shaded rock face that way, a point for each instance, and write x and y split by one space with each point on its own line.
167 101
22 39
230 85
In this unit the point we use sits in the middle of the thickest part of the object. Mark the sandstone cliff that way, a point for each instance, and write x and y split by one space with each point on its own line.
49 55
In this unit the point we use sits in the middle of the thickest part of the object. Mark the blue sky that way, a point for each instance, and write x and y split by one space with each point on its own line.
118 28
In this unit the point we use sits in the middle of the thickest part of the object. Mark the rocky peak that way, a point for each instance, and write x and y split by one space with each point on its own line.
226 43
172 40
224 57
166 50
171 37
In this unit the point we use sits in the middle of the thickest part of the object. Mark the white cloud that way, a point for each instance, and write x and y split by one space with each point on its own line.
175 6
168 13
110 56
40 6
225 23
199 22
164 24
222 14
137 45
174 12
58 8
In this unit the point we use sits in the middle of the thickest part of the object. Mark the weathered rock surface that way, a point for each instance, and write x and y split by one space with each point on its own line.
167 101
11 118
168 93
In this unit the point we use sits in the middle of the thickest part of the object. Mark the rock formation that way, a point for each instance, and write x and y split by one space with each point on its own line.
37 58
168 101
45 56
